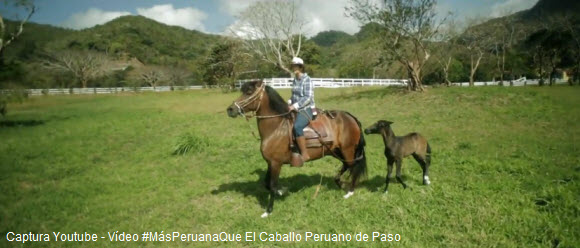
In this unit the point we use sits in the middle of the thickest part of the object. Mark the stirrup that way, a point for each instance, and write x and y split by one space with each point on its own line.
296 160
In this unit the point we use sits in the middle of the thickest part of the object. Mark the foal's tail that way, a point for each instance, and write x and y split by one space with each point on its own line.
428 154
360 164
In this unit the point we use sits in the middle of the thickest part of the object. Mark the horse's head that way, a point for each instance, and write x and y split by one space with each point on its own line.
249 101
378 126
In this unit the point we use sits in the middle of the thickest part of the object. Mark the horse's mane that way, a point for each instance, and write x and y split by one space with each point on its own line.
277 103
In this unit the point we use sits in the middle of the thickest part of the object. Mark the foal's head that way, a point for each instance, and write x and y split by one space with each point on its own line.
252 93
378 126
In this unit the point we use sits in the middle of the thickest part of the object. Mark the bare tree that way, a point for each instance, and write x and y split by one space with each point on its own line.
6 40
571 24
83 65
476 41
177 76
448 37
272 30
504 34
408 30
152 75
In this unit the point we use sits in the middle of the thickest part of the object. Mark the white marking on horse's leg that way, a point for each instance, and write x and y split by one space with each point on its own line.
426 178
349 194
265 214
386 192
280 192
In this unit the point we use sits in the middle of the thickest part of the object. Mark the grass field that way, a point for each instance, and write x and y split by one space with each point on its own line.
505 171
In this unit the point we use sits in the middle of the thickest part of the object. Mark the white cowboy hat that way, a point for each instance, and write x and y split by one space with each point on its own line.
297 61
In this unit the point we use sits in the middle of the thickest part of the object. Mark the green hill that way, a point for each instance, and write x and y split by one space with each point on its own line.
33 39
147 40
331 37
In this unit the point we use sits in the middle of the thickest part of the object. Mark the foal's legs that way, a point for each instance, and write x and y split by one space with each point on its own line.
390 163
399 164
274 169
424 162
339 174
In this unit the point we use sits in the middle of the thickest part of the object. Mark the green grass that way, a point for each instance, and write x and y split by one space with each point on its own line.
505 170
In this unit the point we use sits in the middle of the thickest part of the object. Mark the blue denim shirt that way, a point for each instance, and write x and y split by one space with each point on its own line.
302 92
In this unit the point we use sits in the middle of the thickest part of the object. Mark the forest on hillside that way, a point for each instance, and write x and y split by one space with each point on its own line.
542 42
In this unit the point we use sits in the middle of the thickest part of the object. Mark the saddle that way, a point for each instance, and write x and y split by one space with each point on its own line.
318 132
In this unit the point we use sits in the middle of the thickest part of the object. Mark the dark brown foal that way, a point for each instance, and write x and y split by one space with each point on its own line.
399 147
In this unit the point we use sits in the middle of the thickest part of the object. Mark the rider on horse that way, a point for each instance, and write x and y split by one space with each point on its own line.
302 101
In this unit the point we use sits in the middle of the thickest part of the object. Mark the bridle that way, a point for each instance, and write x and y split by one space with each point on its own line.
257 95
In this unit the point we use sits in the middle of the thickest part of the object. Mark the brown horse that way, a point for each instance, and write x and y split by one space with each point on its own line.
275 125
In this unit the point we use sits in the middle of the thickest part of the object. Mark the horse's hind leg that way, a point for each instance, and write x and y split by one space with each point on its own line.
339 174
390 163
349 156
399 164
424 162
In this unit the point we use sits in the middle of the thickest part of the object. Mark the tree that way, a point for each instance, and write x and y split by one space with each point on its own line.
225 63
476 42
177 76
150 75
272 30
571 23
82 65
446 49
407 29
505 34
7 39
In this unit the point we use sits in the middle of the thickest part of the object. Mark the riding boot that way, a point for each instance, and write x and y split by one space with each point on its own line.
303 150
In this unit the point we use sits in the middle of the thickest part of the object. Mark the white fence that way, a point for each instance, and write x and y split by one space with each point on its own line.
273 82
519 82
112 90
331 82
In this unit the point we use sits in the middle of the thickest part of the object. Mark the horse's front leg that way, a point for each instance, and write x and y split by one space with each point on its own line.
274 169
267 178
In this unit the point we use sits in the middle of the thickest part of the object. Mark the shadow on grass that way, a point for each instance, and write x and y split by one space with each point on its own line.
368 94
21 123
256 188
377 183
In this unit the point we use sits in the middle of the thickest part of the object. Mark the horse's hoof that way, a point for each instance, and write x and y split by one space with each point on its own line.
265 214
280 192
349 194
386 192
426 180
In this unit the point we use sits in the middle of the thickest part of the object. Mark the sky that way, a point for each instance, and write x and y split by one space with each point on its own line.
216 16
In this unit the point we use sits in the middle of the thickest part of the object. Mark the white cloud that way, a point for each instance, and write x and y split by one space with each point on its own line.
234 7
189 18
92 17
328 15
322 15
510 6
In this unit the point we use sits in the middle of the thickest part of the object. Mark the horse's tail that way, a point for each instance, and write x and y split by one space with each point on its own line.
428 154
359 168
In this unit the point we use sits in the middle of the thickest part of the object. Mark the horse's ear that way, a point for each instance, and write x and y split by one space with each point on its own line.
389 123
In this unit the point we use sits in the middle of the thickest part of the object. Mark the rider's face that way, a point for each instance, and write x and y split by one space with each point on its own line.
296 69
